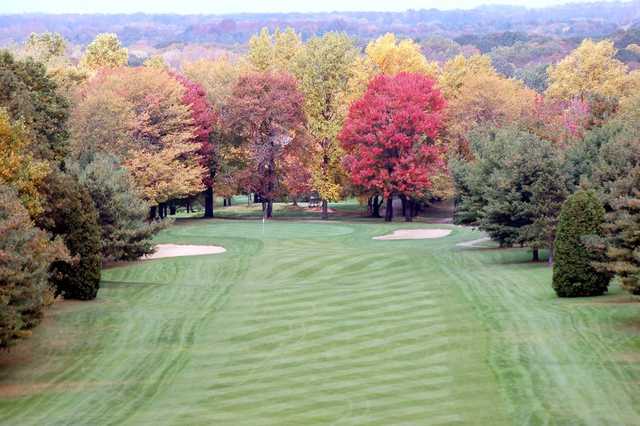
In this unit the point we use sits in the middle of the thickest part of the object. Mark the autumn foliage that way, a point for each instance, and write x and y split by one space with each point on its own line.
267 111
139 114
390 136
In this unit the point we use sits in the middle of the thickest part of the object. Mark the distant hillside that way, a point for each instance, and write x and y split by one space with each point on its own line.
158 31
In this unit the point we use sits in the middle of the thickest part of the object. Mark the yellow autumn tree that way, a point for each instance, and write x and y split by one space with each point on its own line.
274 52
392 56
260 53
156 61
217 76
105 51
323 70
591 69
287 45
18 168
458 70
362 71
478 96
386 55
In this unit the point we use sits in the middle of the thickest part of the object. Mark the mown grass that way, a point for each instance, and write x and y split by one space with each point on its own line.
316 323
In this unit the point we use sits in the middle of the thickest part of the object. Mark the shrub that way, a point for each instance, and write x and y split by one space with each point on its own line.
25 255
574 275
70 213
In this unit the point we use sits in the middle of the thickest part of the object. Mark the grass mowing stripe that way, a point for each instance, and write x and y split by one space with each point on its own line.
311 323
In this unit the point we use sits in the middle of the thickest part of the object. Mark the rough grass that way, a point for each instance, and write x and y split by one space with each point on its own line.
310 323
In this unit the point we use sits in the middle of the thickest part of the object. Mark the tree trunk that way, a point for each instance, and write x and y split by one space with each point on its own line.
249 200
403 199
551 254
325 210
388 214
224 202
153 211
172 208
408 214
229 201
536 255
256 198
376 207
269 210
189 209
208 202
295 202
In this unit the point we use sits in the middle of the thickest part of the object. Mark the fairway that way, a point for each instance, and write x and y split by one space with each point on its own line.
302 323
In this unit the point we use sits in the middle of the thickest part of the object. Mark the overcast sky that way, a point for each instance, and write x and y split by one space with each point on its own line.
236 6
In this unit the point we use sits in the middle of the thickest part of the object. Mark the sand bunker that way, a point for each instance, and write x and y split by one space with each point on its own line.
177 250
415 234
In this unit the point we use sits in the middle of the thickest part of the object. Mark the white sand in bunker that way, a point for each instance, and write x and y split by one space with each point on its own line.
415 234
178 250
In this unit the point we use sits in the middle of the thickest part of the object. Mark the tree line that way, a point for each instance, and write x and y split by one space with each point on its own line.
96 154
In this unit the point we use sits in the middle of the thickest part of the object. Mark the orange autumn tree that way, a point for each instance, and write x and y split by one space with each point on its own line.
478 96
138 115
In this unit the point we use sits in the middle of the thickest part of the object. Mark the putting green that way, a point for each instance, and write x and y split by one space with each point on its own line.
310 323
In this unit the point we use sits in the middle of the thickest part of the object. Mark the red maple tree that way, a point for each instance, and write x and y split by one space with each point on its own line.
389 136
265 109
205 119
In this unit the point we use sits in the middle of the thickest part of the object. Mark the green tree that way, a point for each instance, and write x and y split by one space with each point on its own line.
616 178
513 189
25 255
534 77
612 175
574 272
583 157
30 96
70 214
622 237
122 214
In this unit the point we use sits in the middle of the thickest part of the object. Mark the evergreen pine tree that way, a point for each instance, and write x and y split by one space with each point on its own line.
574 273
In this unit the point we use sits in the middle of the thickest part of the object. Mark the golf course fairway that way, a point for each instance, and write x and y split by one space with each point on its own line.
309 323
